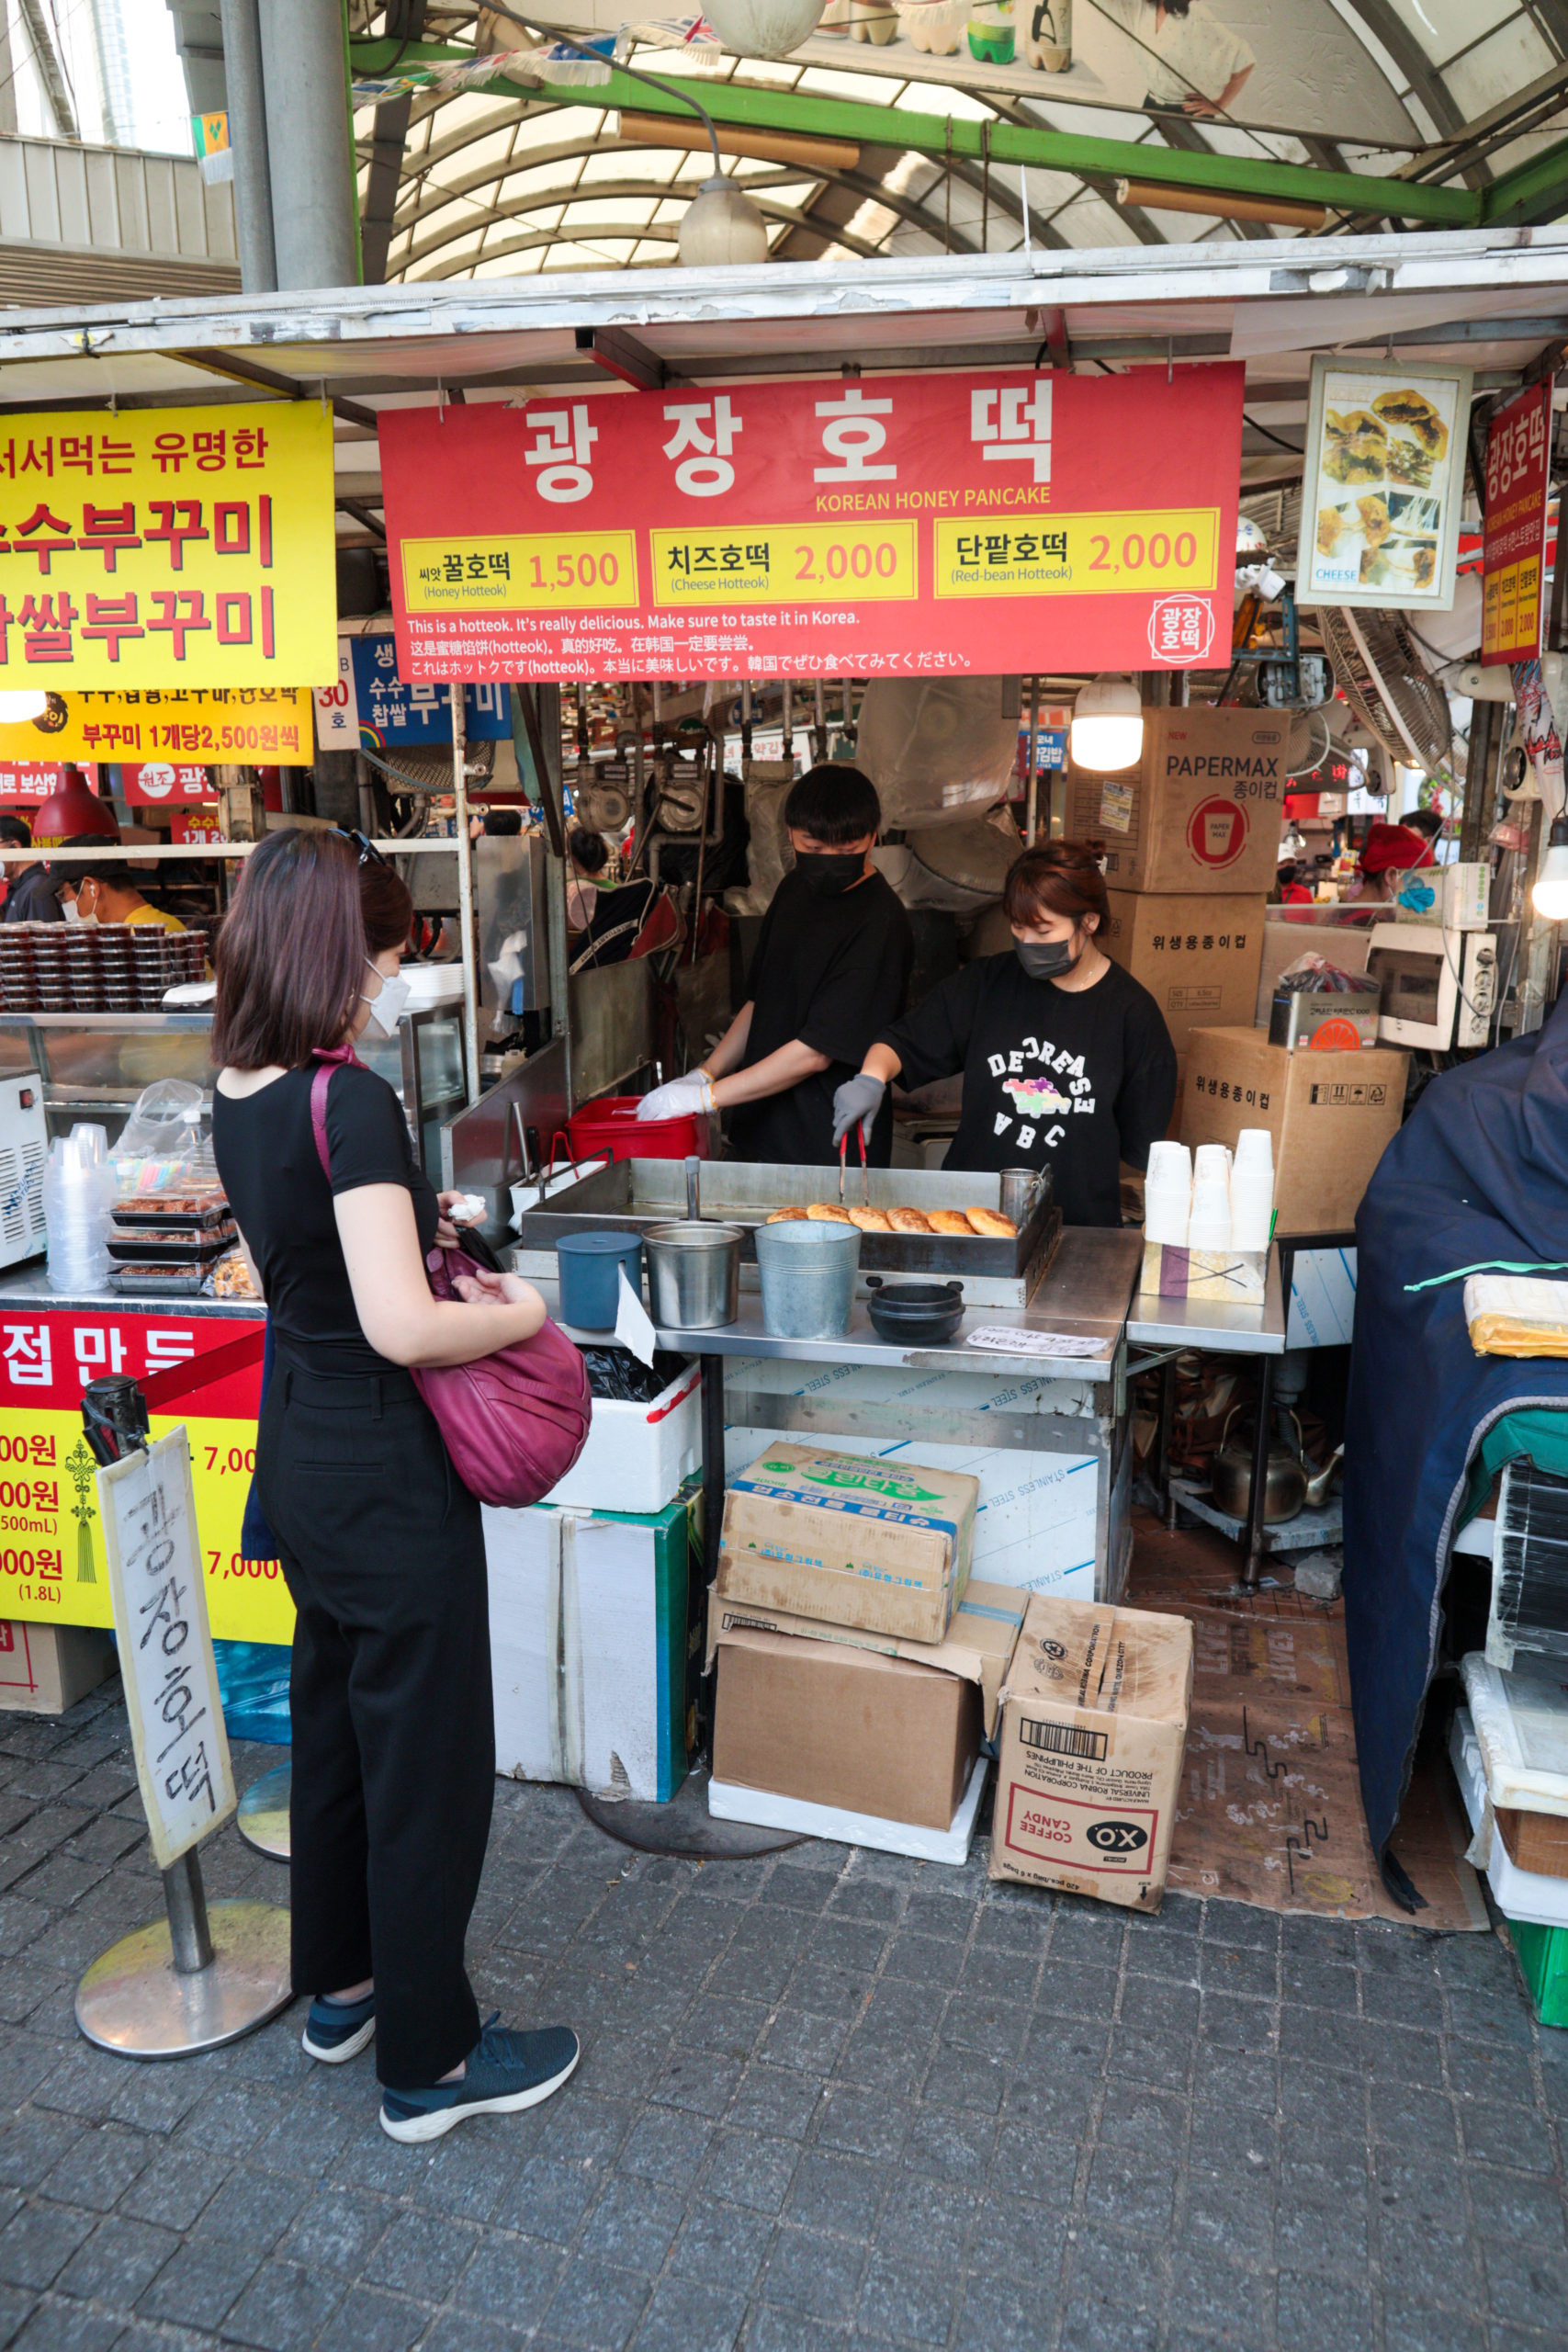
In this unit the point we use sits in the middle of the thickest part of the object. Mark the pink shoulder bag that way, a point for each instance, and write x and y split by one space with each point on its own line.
515 1421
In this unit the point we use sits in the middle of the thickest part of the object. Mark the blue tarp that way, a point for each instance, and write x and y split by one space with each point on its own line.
1478 1175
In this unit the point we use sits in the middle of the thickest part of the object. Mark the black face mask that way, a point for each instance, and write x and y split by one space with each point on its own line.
829 874
1044 960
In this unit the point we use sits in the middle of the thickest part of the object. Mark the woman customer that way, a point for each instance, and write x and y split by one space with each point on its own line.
381 1545
1067 1063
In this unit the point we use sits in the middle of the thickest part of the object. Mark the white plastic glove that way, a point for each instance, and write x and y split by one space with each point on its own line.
680 1099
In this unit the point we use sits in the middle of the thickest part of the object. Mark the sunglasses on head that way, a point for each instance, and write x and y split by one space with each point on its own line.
368 855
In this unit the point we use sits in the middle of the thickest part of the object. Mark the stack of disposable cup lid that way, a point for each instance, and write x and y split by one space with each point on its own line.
1168 1193
1252 1190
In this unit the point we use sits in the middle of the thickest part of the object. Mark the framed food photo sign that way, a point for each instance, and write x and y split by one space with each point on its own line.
1383 484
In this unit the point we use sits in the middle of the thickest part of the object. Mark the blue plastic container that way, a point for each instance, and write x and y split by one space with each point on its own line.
588 1265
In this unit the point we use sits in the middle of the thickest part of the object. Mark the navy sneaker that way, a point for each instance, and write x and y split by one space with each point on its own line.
505 2072
338 2030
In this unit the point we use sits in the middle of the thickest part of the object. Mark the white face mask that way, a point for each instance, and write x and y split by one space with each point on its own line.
387 1009
72 912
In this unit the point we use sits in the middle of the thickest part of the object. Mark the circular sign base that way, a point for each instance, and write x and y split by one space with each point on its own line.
263 1817
133 2001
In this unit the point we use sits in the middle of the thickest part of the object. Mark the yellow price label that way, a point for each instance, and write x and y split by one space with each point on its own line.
52 1565
1080 555
546 571
786 563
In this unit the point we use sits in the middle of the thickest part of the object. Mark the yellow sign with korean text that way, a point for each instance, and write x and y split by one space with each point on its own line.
168 547
265 726
1080 555
535 572
51 1543
785 563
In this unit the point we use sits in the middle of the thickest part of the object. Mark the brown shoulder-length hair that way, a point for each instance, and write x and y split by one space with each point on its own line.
1057 878
291 953
386 907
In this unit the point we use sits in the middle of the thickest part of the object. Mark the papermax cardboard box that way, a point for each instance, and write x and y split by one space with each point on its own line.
880 1546
978 1646
846 1727
1197 956
1331 1117
1093 1725
1200 812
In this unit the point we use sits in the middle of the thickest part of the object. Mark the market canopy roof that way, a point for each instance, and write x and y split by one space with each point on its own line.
860 142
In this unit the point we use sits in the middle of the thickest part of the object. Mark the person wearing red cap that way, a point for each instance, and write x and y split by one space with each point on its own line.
1387 851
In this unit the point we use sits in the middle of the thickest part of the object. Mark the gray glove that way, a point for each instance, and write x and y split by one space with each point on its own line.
858 1099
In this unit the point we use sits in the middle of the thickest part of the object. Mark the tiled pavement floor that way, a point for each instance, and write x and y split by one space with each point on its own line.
827 2097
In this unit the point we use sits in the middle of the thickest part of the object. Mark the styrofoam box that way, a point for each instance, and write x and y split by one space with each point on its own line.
728 1801
636 1455
1035 1525
1519 1894
588 1647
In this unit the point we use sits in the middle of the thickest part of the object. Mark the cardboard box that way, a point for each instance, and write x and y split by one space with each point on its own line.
1332 1023
46 1669
1234 1277
979 1643
844 1727
1203 810
587 1636
1285 942
1534 1841
881 1545
1198 956
1094 1725
1331 1117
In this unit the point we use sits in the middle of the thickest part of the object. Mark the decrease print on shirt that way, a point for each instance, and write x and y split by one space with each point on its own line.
1037 1100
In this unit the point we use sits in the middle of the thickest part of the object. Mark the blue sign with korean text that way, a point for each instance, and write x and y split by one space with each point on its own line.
391 714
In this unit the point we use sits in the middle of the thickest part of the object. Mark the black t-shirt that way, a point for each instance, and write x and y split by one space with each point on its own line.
832 972
1073 1080
266 1157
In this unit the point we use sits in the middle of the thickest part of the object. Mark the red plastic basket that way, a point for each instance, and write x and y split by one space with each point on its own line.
611 1124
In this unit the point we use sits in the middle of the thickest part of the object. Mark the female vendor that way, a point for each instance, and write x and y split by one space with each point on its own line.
1067 1063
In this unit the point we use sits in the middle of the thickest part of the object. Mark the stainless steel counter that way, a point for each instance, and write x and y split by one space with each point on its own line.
1084 1295
1206 1323
28 1285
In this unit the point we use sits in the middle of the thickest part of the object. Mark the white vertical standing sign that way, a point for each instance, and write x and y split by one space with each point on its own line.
148 1508
200 1976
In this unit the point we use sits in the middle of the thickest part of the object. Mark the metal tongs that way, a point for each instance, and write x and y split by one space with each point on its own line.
865 1171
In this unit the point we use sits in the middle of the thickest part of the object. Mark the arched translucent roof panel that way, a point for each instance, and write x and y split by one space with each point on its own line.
1448 94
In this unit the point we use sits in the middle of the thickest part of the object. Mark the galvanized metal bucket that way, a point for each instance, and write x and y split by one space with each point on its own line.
809 1278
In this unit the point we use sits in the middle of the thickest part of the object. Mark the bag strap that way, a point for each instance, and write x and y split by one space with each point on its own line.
327 1060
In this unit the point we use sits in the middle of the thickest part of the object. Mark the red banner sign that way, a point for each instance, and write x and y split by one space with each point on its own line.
164 784
27 782
1519 454
902 526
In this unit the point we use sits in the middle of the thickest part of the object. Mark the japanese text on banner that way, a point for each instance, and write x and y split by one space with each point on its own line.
161 546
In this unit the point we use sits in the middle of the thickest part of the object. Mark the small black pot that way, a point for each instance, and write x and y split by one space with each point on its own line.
914 1314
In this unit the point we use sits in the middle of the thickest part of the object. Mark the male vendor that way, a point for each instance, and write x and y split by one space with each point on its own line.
831 970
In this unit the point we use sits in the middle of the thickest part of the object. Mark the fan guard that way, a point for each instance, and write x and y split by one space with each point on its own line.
1388 685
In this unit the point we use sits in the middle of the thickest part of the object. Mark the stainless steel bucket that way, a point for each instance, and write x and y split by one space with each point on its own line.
694 1273
809 1278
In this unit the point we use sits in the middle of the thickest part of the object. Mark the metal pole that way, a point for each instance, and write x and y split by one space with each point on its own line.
1032 806
466 891
186 1899
315 233
247 139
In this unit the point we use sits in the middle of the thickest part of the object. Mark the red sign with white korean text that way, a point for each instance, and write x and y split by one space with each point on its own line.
899 525
168 548
164 784
1518 456
200 825
48 1355
26 782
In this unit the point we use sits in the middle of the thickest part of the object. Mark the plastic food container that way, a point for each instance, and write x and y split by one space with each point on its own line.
589 1267
611 1126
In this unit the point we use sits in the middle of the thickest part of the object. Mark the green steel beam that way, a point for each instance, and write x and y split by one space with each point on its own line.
1534 191
941 135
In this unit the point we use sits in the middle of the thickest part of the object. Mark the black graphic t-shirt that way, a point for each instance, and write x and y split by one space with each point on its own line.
1073 1080
832 972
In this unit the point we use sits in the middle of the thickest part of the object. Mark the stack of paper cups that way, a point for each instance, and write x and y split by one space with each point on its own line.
1209 1227
1252 1190
1168 1193
1255 1148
